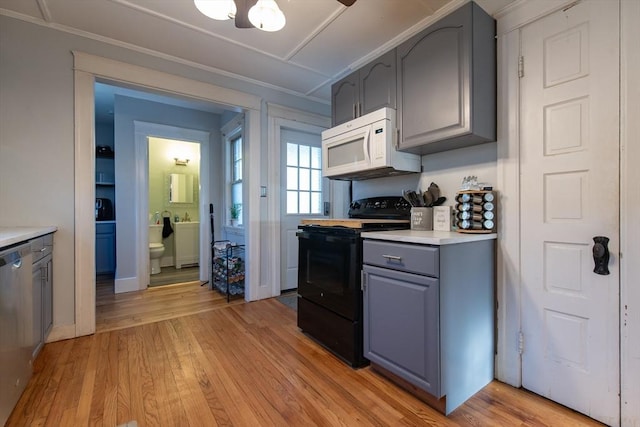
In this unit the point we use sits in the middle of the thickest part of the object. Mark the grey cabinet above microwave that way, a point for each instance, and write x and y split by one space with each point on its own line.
366 90
446 85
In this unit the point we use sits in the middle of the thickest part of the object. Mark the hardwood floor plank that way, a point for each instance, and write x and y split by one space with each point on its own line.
242 364
124 414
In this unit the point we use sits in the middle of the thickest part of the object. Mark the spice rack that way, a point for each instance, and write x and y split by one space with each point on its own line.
228 268
475 211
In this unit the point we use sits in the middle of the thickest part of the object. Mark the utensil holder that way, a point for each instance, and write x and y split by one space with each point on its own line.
422 219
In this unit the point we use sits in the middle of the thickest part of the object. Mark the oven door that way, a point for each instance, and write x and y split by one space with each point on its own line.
329 271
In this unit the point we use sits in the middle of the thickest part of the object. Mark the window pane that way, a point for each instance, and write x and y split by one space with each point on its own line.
305 179
316 158
236 198
292 154
237 171
292 202
305 202
305 156
316 180
237 149
316 203
292 178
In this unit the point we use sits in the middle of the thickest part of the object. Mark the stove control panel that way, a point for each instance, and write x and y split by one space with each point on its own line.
380 207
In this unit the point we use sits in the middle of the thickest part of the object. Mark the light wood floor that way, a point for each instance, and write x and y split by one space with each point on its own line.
117 311
243 364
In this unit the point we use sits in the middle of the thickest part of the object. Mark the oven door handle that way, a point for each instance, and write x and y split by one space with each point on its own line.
325 237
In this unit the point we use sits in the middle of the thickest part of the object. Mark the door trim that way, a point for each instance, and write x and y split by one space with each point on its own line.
277 118
86 68
142 130
629 207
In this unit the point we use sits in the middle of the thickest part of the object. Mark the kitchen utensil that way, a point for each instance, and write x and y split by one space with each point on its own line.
405 195
428 198
439 201
417 201
434 190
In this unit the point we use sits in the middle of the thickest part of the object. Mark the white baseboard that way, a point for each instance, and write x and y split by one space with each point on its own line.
128 284
63 332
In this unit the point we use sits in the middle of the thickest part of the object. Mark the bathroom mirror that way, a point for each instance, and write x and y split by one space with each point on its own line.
180 188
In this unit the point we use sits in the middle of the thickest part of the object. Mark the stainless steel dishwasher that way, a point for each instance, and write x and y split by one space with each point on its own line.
16 325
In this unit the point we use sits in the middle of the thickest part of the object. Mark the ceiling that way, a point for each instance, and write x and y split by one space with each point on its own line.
321 41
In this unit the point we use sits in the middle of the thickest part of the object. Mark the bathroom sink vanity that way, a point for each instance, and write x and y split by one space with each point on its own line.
187 243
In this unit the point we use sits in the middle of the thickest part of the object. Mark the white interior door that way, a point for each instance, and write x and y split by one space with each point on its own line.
570 193
304 193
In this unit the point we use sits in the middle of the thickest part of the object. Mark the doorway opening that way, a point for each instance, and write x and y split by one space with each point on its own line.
158 108
174 217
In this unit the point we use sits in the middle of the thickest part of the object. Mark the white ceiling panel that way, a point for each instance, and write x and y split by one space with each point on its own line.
321 40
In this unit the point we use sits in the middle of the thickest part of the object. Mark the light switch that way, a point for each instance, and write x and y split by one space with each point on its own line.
263 191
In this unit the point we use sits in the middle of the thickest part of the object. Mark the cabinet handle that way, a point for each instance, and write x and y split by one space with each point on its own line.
392 257
355 110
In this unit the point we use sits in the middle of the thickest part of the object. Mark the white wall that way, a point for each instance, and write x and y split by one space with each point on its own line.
445 169
37 133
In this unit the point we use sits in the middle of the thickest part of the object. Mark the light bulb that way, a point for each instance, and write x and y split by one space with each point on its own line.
267 16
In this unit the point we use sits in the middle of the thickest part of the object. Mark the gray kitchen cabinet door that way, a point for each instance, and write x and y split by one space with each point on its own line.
345 94
446 83
366 90
47 298
401 325
37 286
105 248
378 84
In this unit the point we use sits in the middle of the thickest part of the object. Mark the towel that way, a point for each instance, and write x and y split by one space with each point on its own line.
166 229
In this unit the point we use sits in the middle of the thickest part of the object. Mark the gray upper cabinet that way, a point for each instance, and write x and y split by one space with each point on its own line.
368 89
446 84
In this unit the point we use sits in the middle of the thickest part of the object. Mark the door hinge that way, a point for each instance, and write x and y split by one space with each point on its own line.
521 67
520 342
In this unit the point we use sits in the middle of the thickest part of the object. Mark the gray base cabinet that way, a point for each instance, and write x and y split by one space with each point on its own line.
429 315
446 85
366 90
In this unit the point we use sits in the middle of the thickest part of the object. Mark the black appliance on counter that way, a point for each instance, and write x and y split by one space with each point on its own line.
330 264
104 209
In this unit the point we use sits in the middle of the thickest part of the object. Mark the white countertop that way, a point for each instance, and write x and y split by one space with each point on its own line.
12 235
428 237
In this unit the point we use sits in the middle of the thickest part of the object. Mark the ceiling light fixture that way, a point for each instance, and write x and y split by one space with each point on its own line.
217 9
267 16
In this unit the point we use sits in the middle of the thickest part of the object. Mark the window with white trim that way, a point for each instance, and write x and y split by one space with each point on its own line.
235 151
233 134
304 179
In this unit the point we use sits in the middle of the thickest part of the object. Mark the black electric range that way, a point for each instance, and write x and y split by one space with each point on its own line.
330 264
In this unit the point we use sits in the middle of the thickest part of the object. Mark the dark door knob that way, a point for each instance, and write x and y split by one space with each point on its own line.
601 255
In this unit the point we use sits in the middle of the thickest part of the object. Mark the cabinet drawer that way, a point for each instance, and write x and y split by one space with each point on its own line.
420 259
41 247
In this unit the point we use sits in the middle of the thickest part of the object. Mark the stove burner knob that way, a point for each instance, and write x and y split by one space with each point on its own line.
384 205
355 205
376 205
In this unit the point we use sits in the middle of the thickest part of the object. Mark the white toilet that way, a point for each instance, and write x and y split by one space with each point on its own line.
156 248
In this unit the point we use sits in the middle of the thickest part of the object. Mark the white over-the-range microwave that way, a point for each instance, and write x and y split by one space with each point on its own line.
366 147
